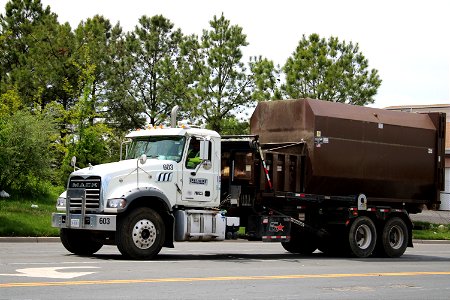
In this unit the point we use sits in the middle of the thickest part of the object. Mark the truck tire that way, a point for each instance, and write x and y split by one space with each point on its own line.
79 242
394 238
301 243
332 244
140 234
362 237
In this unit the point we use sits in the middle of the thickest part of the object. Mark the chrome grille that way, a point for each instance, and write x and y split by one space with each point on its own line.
84 193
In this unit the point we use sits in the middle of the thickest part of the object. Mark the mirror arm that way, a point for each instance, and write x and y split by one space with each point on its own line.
198 167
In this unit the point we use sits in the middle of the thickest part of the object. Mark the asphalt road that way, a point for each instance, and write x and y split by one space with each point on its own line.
221 270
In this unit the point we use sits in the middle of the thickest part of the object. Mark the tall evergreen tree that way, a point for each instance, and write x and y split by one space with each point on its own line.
148 76
330 70
266 77
94 37
35 54
224 86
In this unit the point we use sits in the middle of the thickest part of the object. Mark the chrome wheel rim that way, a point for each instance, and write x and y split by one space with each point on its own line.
363 236
395 237
144 234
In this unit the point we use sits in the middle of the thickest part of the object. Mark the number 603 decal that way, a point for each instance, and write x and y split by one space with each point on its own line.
168 167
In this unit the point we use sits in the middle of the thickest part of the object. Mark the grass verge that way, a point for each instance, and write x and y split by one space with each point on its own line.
429 231
28 217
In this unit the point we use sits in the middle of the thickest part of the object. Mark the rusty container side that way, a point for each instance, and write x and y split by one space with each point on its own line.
389 156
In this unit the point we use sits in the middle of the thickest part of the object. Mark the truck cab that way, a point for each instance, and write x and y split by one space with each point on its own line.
184 163
166 174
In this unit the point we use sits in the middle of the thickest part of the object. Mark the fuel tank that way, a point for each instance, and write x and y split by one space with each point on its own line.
389 156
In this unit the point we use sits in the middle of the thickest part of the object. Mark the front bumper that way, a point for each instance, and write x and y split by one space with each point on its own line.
90 222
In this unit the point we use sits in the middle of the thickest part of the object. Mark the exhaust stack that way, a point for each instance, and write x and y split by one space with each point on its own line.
173 116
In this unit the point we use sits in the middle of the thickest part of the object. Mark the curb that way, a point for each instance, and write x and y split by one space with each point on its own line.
19 239
431 241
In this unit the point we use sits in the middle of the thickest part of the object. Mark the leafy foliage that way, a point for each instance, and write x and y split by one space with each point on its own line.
10 103
232 126
24 151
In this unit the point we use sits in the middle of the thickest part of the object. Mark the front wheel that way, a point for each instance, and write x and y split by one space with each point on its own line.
394 239
79 242
140 234
362 237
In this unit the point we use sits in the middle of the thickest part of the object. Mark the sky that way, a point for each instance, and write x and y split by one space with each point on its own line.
408 42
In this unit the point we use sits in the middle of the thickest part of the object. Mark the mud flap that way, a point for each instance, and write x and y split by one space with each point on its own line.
276 228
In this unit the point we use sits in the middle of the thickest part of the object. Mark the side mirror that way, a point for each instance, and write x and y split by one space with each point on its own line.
142 159
73 161
204 150
207 164
126 143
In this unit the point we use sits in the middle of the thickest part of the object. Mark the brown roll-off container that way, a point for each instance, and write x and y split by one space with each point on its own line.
392 157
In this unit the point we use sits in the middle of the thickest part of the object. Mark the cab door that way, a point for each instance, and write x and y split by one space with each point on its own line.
199 178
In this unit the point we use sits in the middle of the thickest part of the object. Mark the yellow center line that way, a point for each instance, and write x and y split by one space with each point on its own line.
219 278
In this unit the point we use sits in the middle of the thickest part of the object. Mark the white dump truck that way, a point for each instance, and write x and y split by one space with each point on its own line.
314 175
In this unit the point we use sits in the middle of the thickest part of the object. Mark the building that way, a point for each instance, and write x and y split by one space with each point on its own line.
445 108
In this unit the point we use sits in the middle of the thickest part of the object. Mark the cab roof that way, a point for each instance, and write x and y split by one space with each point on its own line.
171 131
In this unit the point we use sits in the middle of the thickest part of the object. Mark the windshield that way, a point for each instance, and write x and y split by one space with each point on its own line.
157 147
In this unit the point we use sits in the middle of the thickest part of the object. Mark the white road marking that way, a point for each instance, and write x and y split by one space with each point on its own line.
51 272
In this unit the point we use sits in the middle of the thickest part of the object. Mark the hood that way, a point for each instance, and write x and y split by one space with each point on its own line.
120 168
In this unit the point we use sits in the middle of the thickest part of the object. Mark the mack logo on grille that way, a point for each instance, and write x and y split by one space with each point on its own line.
84 185
84 193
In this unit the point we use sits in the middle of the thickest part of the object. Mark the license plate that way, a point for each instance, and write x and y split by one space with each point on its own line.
74 222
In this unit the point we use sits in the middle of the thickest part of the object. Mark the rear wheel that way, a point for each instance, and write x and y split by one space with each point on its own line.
79 242
394 238
362 237
140 234
301 243
335 244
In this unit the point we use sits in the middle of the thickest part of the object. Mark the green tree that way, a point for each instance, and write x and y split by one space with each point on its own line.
266 78
25 158
94 37
10 103
232 126
148 76
94 147
330 70
35 54
223 87
17 26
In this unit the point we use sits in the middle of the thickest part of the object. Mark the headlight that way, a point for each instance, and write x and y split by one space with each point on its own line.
61 202
116 203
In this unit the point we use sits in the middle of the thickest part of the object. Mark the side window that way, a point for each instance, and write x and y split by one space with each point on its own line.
193 154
